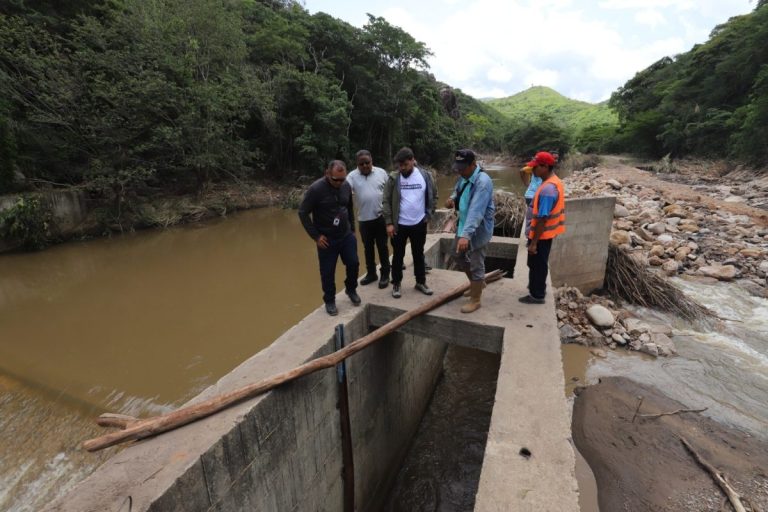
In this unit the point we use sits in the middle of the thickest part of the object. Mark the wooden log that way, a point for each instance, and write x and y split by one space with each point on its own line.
156 425
718 477
109 419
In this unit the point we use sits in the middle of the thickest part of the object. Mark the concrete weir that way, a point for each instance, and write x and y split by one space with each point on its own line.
282 451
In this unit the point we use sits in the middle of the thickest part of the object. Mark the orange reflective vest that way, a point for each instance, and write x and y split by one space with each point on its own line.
554 224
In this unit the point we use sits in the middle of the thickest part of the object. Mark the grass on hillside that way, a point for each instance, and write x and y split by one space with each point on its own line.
570 114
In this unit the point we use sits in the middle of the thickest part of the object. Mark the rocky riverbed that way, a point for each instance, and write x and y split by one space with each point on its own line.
706 227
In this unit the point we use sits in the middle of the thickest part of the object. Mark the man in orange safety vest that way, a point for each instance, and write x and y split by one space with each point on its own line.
548 221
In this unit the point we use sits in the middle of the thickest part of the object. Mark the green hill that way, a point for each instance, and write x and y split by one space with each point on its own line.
542 101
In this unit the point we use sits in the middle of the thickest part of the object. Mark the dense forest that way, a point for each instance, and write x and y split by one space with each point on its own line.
709 102
129 94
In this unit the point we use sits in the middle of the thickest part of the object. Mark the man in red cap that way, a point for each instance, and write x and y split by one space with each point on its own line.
547 222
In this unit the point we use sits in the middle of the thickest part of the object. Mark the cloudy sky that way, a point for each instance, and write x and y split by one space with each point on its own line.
584 49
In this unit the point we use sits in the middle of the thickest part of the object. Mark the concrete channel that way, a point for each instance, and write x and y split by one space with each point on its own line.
282 451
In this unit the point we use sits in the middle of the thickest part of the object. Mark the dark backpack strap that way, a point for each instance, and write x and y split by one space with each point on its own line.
460 192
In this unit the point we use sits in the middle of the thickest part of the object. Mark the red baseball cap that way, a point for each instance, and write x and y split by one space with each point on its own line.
544 158
531 164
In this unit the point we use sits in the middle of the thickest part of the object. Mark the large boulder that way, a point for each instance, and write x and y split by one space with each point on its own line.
675 210
751 252
619 237
600 316
670 267
664 345
568 333
620 211
720 272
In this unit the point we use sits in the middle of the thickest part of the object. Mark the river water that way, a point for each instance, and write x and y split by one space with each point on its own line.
724 368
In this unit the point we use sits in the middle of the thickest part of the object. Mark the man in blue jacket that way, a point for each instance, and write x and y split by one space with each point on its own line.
473 199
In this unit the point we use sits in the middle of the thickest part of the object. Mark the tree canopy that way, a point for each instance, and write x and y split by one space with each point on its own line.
711 101
173 94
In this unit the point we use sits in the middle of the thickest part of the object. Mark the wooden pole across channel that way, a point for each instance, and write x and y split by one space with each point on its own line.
134 429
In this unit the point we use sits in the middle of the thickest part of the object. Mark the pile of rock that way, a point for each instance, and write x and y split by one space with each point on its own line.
596 321
681 238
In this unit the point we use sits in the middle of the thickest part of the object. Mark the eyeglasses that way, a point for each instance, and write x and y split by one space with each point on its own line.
337 180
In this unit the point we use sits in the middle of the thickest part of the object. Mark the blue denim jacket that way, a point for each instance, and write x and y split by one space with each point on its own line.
478 226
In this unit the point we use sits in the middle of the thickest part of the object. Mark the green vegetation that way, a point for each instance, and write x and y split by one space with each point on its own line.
130 98
711 101
539 101
543 118
26 222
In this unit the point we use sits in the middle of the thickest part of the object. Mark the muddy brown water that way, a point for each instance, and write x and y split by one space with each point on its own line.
139 324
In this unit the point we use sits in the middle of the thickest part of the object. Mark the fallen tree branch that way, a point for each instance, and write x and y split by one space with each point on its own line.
156 425
678 411
109 419
718 477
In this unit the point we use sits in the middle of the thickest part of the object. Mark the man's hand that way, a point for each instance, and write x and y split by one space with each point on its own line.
532 248
390 230
449 203
462 245
322 242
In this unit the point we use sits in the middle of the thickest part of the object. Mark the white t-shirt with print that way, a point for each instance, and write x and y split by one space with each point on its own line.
412 197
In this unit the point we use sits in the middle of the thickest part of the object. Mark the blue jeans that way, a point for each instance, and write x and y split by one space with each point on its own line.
346 248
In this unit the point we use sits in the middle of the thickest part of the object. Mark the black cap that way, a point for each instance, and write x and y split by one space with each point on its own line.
462 159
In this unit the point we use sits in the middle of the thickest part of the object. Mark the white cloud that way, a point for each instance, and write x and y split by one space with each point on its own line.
650 17
585 49
499 74
680 5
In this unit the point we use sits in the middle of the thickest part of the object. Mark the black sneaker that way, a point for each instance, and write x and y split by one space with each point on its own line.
396 290
383 282
354 297
330 308
368 279
530 299
423 288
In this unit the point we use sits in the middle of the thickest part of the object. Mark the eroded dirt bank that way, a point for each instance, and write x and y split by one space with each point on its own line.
642 465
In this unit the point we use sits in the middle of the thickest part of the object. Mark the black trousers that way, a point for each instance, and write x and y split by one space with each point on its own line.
346 248
538 268
418 237
374 233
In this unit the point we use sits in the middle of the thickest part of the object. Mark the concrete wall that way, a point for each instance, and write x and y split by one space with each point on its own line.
579 256
68 209
281 451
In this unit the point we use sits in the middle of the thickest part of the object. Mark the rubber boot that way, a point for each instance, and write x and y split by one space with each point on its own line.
468 293
469 290
476 290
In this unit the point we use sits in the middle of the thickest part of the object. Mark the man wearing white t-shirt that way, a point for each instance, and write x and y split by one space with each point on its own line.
367 182
409 201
